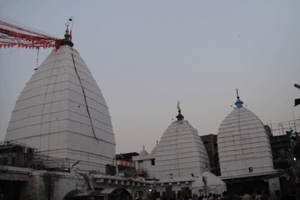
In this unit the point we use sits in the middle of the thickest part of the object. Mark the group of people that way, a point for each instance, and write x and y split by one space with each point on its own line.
210 196
264 195
259 195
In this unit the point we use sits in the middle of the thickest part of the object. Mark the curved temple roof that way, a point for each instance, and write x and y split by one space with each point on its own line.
180 152
51 115
244 146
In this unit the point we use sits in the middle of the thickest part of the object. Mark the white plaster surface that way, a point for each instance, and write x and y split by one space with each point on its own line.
50 113
144 162
143 152
180 152
243 143
213 184
177 184
154 149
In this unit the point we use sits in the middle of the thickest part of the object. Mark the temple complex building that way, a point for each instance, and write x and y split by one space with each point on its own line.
245 152
60 143
178 159
211 146
62 113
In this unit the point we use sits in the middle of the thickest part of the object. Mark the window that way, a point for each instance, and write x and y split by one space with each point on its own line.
152 161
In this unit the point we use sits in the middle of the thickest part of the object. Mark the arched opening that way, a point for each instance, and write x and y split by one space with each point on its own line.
105 194
119 194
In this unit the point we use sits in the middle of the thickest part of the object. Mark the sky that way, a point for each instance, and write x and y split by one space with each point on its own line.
148 55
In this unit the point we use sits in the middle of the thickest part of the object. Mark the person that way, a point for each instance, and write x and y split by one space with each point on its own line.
292 194
236 196
222 196
258 195
1 195
264 195
214 197
277 195
178 196
247 196
195 197
226 196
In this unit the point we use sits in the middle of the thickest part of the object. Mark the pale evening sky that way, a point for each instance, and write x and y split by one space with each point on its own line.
147 55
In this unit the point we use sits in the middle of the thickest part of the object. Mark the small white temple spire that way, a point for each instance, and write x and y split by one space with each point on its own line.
143 152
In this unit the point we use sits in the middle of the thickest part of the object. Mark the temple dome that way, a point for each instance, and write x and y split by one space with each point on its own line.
51 113
180 152
143 152
244 146
213 184
154 149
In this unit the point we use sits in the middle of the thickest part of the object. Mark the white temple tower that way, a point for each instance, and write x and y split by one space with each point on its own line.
180 153
244 146
62 112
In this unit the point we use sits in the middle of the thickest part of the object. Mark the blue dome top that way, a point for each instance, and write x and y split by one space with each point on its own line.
239 103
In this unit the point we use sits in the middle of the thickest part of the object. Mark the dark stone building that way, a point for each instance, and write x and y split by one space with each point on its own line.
211 146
